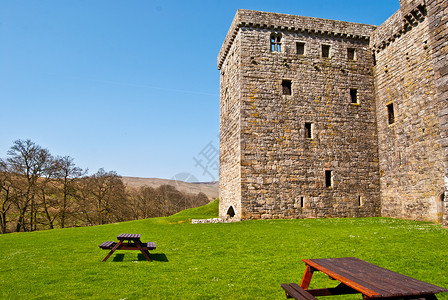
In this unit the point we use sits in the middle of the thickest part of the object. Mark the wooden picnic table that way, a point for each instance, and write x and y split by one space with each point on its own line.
358 276
128 241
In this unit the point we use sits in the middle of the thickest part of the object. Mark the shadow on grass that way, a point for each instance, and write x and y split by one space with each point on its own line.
154 256
118 257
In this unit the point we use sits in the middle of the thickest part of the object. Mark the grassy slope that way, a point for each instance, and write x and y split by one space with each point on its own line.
245 260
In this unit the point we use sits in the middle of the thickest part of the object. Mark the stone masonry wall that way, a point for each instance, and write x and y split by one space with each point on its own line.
438 40
410 152
230 158
283 173
294 141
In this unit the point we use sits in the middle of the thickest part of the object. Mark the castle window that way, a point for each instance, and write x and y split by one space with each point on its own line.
359 201
276 42
302 202
225 106
351 54
328 178
354 96
300 48
286 87
390 113
325 51
308 130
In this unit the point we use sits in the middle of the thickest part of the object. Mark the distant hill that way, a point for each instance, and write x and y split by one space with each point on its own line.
211 189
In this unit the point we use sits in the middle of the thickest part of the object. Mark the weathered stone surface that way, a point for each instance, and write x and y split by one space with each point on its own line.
410 149
304 135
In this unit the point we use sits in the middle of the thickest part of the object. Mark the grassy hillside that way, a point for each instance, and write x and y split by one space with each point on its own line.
211 189
245 260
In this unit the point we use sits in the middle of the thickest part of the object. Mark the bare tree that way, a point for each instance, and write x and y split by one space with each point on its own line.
29 162
84 206
143 203
165 200
39 190
67 175
47 194
108 193
7 193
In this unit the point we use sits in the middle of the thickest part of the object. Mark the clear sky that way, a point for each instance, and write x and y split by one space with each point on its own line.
129 85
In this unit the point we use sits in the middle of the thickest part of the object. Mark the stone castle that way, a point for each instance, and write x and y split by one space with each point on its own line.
324 118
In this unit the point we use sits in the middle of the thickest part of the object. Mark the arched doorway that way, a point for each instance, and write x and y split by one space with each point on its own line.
230 212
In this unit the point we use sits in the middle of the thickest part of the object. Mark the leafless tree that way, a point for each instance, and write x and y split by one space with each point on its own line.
40 191
28 162
7 193
107 191
67 175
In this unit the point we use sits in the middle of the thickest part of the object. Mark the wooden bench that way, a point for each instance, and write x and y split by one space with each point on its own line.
107 245
358 276
128 241
293 290
127 246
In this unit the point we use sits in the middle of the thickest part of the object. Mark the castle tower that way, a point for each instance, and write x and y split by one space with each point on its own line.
323 118
298 129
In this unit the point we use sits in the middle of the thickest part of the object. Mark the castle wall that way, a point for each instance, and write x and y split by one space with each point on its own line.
438 40
410 152
230 157
283 172
313 151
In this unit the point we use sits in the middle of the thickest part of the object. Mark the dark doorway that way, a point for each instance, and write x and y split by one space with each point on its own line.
231 212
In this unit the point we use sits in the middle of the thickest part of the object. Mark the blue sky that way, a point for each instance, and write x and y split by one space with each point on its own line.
129 85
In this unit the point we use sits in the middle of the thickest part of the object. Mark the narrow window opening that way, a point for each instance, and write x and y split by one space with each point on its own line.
359 201
300 48
328 178
276 42
442 197
325 51
302 202
391 113
226 101
374 59
351 54
231 212
286 87
354 96
308 130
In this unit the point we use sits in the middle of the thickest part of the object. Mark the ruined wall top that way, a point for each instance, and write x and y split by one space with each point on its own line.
275 21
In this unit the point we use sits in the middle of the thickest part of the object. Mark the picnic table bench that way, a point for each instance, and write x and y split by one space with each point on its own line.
133 243
358 276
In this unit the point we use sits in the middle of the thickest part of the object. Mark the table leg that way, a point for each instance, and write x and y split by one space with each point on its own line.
145 252
307 277
113 250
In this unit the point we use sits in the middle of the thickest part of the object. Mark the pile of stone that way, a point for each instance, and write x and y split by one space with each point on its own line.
206 221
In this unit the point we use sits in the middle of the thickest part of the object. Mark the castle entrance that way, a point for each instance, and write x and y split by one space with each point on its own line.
230 212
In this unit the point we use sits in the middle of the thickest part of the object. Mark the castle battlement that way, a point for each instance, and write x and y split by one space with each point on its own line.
293 24
398 24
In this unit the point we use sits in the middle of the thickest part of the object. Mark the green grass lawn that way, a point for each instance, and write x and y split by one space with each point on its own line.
245 260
